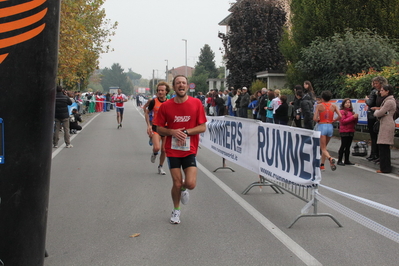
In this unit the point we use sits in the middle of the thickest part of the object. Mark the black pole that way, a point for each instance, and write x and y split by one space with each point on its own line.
28 66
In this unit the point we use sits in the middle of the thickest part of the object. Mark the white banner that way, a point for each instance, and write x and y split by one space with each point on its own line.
280 153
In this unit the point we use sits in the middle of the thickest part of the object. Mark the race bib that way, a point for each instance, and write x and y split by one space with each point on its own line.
181 146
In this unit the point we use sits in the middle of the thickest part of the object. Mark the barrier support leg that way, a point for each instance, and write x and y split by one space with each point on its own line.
314 214
263 182
224 166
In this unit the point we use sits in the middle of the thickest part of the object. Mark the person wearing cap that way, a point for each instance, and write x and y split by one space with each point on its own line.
243 112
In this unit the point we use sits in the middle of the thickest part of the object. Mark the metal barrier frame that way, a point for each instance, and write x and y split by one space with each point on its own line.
306 194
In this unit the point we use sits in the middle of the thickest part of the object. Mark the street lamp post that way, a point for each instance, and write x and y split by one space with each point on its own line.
166 77
186 54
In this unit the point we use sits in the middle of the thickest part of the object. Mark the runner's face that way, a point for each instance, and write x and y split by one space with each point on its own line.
180 86
161 91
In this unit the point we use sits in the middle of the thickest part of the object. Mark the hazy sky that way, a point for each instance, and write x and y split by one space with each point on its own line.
151 31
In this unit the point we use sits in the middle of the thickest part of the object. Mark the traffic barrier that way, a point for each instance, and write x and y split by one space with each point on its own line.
286 159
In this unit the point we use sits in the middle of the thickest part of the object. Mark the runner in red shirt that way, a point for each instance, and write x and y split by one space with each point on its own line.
119 99
185 119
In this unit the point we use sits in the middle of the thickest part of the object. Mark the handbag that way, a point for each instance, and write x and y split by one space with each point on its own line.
376 126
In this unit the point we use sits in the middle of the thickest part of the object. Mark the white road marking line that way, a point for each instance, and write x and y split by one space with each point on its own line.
59 149
301 253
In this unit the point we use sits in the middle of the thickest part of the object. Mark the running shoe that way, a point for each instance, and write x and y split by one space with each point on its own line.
175 218
184 196
322 168
161 171
332 164
55 146
153 157
68 146
120 124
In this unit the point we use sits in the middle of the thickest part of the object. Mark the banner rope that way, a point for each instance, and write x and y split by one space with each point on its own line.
376 227
364 201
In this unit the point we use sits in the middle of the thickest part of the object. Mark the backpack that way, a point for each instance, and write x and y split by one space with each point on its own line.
360 149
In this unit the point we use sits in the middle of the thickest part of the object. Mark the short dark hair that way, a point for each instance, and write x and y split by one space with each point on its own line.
326 95
178 76
388 88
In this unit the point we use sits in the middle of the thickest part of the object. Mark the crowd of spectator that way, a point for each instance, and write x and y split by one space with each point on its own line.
270 106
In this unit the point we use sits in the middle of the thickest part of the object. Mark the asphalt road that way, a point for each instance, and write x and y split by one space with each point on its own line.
105 189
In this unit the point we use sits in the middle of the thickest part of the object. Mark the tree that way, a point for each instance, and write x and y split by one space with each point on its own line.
251 45
84 35
311 19
115 77
206 59
326 59
199 78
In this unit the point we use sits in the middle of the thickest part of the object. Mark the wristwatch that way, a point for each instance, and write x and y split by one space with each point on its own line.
185 132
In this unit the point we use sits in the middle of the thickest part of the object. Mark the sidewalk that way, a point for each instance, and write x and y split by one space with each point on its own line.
335 143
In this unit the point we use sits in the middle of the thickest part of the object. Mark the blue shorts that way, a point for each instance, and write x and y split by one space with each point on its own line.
325 129
120 110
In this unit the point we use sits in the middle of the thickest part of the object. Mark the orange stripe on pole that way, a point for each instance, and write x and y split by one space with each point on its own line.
18 24
13 10
22 37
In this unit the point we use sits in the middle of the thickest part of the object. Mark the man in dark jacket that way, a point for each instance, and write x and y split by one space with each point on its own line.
61 117
244 103
374 100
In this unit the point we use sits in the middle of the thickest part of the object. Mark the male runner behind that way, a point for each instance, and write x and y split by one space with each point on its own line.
119 99
185 119
158 141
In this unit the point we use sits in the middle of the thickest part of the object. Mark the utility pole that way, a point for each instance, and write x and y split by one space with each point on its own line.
186 54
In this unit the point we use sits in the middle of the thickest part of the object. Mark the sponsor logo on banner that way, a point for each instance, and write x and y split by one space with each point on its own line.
282 153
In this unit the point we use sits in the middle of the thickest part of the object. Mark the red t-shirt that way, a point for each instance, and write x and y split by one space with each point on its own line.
181 115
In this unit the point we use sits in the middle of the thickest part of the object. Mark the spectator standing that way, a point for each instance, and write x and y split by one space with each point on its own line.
244 103
374 100
262 104
252 105
276 101
346 130
296 113
387 127
269 107
281 114
61 117
237 102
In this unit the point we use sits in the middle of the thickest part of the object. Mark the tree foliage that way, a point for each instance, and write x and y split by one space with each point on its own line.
251 45
352 52
207 60
116 77
311 19
199 78
359 85
84 35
